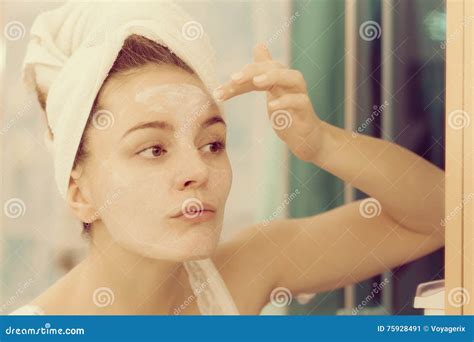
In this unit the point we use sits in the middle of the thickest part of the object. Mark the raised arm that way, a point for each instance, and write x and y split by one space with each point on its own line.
401 220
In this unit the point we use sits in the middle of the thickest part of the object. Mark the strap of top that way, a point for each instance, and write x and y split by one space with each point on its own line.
213 297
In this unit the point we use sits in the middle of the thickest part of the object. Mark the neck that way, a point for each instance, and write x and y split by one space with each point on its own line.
122 282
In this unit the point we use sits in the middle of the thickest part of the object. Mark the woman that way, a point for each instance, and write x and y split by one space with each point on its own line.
151 190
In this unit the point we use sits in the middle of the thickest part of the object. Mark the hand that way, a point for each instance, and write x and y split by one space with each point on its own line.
289 107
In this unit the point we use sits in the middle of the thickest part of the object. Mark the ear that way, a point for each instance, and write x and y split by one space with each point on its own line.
79 199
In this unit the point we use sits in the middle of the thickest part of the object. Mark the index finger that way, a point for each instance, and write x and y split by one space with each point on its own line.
261 53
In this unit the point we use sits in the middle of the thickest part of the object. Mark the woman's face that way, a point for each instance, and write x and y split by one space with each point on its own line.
157 172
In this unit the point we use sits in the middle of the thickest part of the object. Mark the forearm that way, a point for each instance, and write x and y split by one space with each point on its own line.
409 189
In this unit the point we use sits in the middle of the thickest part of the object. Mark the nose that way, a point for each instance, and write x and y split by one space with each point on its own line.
193 172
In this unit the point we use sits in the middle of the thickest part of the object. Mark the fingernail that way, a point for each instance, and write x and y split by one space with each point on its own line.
237 76
260 78
273 103
218 94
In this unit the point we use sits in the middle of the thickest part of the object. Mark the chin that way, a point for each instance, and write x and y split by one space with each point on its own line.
201 245
200 242
180 254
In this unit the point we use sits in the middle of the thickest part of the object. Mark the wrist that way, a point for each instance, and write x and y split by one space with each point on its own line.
325 143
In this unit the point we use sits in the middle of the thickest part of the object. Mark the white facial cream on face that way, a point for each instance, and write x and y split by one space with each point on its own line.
178 98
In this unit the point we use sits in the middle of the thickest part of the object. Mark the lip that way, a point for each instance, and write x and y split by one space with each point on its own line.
203 216
206 212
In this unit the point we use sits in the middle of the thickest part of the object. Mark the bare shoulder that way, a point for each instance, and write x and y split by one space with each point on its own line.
54 300
248 263
47 300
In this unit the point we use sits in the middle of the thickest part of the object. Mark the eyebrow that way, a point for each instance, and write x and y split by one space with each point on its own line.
157 124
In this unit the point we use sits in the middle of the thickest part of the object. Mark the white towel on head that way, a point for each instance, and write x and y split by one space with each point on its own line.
73 47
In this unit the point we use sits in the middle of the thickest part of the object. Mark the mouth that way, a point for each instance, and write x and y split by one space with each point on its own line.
195 211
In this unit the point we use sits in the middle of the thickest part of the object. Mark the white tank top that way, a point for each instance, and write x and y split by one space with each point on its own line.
213 297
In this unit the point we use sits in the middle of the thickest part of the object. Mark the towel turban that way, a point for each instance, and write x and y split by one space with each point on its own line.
73 48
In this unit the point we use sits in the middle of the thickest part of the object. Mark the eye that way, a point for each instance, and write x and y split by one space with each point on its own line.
215 147
153 151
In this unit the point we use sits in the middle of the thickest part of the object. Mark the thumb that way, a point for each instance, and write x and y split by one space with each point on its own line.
261 53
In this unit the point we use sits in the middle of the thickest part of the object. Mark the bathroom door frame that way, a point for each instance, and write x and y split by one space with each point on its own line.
459 187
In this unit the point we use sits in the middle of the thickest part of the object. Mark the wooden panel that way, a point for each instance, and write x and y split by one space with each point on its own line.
468 260
458 261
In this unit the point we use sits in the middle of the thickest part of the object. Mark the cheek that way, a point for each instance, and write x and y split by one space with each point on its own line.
220 181
136 204
141 199
136 218
126 199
